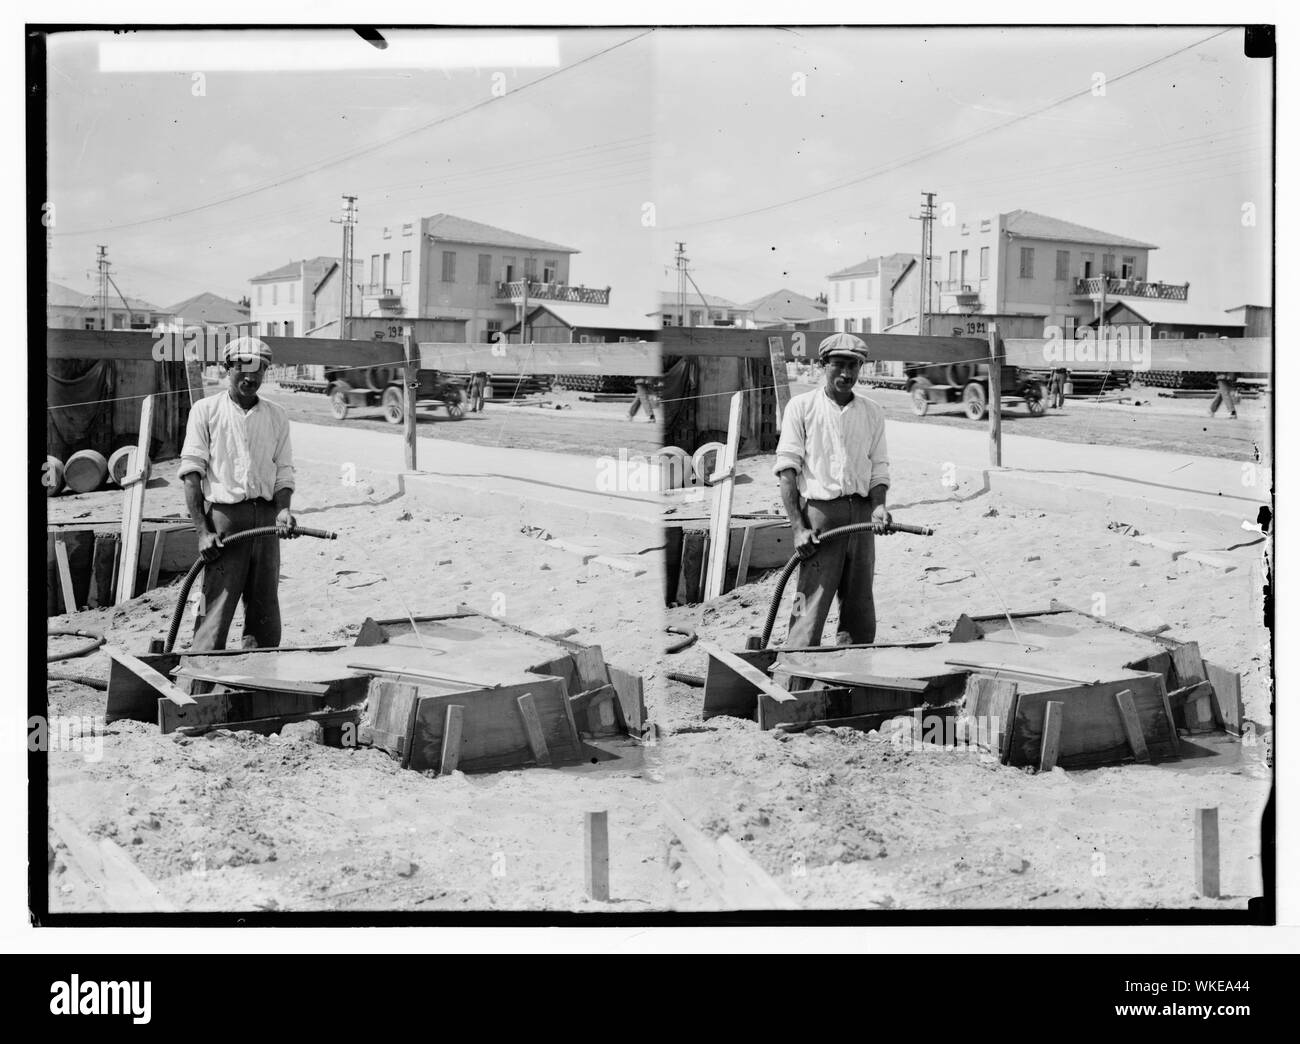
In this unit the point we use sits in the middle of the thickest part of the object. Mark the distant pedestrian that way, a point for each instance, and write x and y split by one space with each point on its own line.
1226 383
644 400
1056 388
477 382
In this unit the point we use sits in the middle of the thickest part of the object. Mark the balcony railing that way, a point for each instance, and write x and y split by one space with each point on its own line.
514 290
378 290
1115 286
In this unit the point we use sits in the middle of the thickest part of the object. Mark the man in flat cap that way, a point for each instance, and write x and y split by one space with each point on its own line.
833 467
237 466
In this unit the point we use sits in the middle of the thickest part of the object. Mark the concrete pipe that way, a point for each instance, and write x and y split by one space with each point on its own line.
119 464
85 471
676 469
52 476
705 461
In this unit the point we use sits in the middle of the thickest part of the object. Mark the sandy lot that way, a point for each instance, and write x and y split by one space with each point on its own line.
244 822
844 819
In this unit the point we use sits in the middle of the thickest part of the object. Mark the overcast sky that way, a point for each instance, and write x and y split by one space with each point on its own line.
713 127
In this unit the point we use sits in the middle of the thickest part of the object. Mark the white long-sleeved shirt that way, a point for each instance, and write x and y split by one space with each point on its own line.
835 450
241 454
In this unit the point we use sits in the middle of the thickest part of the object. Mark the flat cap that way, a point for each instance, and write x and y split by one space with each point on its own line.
843 344
247 350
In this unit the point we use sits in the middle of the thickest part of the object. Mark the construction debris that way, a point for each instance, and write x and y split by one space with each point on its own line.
1050 688
460 691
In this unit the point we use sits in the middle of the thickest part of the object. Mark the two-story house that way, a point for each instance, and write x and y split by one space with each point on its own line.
860 298
1023 264
470 276
282 301
78 310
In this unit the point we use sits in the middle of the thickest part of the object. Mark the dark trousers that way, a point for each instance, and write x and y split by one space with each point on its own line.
248 570
1223 397
842 569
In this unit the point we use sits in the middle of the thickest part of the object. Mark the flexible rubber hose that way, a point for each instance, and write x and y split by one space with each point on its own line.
830 534
80 679
233 538
95 640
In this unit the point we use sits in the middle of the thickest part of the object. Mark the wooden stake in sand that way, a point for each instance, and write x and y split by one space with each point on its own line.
1205 835
723 490
134 482
596 845
1052 715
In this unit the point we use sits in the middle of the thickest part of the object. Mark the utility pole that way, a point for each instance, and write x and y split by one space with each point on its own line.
926 217
102 262
680 260
348 221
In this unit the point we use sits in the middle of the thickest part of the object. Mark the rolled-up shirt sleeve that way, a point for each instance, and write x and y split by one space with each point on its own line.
196 453
879 454
283 458
791 448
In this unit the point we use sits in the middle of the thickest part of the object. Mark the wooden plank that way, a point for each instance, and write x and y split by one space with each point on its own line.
630 688
780 377
211 709
1205 851
1132 724
533 728
727 868
390 717
622 359
1013 671
1092 734
115 880
65 573
723 495
274 723
752 344
134 687
1009 731
1051 745
103 563
135 483
596 855
291 351
410 384
598 712
1188 666
451 739
808 705
1193 706
746 549
1227 696
693 562
990 706
493 731
1209 355
995 397
155 558
732 684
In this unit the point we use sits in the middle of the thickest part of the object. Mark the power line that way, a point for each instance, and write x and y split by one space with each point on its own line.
945 146
363 150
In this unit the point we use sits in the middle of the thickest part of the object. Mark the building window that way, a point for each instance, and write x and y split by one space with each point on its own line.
986 224
697 317
1108 265
388 263
1026 262
406 266
259 295
1128 268
984 262
484 269
90 323
492 330
275 293
119 321
374 270
292 292
550 270
530 269
964 255
388 232
1085 264
288 328
406 229
1062 265
508 269
449 266
853 290
952 265
866 325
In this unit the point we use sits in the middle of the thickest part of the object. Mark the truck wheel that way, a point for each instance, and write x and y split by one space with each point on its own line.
976 400
339 404
920 398
1036 398
394 408
454 411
